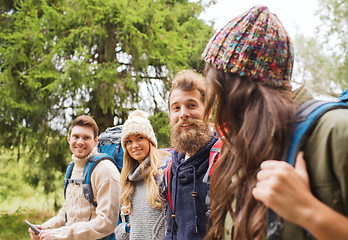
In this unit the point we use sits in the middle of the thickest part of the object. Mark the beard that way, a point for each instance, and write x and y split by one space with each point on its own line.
190 140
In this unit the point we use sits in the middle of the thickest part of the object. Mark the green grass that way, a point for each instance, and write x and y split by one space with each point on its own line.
35 201
13 227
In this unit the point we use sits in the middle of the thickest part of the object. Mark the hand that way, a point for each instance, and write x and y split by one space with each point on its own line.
33 235
284 189
45 234
128 225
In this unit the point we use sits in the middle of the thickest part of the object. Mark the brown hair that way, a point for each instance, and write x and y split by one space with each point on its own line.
188 80
255 120
85 121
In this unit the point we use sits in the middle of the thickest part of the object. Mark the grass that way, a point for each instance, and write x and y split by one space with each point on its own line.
36 201
13 227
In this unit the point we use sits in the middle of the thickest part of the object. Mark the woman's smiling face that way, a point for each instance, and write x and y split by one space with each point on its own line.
138 147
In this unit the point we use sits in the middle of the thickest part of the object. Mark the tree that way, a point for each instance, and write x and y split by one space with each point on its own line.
323 59
63 58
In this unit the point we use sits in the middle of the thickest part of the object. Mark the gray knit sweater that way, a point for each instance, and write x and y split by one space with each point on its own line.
146 222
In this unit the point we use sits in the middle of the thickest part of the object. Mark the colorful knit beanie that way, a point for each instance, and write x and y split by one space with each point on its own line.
254 44
137 123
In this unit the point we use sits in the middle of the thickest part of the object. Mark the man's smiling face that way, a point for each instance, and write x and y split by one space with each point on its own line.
186 111
82 141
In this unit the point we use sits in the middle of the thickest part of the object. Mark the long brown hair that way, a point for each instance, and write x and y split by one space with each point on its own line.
255 120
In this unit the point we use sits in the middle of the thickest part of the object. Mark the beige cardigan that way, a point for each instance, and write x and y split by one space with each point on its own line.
105 181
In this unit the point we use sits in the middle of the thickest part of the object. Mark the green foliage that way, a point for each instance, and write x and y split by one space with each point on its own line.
317 69
334 16
323 59
160 123
15 191
63 58
10 178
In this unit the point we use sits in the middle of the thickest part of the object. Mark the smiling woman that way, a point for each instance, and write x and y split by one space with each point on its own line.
141 177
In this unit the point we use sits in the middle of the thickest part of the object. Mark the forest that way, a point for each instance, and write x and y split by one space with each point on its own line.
104 58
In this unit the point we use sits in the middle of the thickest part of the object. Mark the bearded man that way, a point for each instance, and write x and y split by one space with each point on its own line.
192 139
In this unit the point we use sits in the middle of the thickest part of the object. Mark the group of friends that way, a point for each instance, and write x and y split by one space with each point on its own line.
164 194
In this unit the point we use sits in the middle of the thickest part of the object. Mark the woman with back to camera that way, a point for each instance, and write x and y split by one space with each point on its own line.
248 71
141 176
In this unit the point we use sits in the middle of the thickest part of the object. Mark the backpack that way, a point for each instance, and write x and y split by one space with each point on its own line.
213 156
109 147
109 142
307 116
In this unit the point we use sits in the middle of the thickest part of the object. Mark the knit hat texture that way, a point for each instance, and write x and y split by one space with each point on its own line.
137 123
254 44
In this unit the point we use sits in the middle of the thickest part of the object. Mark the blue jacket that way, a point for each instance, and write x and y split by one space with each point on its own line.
189 208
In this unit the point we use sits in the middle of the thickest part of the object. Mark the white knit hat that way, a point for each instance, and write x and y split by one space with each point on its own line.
137 123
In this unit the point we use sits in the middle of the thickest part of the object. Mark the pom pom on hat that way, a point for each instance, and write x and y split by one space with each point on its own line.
254 44
137 123
137 113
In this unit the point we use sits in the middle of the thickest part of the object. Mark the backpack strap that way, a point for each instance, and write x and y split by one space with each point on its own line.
308 114
214 155
167 183
87 173
344 96
67 179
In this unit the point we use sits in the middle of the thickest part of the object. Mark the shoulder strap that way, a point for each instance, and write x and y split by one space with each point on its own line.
87 172
344 96
214 155
68 176
167 183
307 117
167 187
